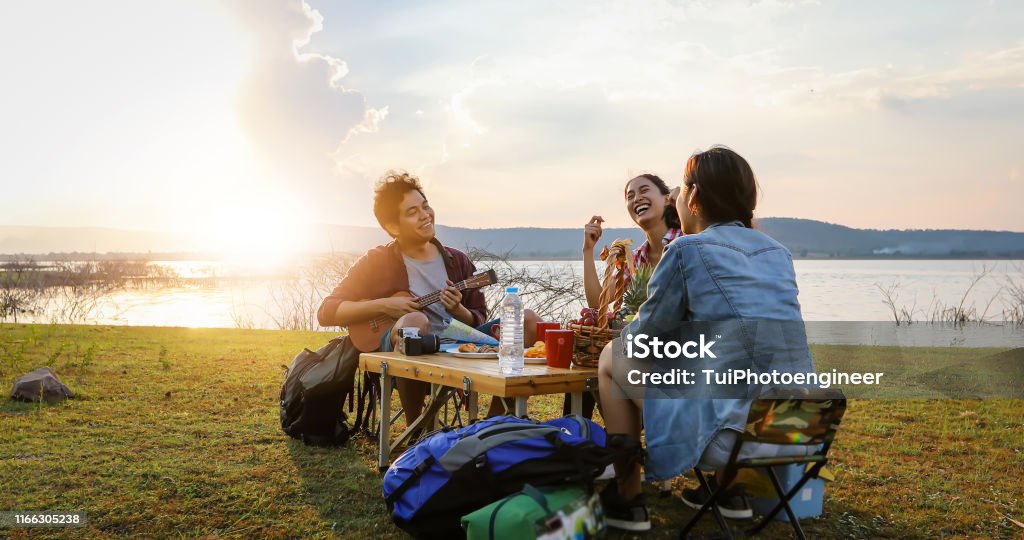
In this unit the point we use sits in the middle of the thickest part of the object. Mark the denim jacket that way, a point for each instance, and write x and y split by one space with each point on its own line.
725 273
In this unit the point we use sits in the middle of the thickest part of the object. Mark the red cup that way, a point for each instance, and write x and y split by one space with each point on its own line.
558 344
544 327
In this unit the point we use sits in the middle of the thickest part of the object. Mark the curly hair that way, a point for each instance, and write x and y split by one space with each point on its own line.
389 192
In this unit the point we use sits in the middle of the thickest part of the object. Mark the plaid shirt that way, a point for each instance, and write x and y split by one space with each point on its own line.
641 255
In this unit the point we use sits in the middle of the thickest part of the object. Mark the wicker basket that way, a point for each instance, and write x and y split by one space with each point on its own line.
591 339
589 342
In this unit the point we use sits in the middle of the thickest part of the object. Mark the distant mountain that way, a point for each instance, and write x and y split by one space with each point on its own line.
804 237
808 238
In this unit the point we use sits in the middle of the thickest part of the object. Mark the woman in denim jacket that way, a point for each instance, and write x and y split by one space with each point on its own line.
721 270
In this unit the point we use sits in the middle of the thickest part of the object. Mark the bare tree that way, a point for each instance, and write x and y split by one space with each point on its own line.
553 292
890 294
962 312
1014 287
21 288
72 291
297 299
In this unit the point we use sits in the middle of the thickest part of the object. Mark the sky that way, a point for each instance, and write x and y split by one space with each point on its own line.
245 119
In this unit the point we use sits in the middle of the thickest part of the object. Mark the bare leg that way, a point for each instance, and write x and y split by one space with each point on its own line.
621 415
530 320
410 392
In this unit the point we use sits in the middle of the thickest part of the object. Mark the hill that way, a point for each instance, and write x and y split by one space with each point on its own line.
805 238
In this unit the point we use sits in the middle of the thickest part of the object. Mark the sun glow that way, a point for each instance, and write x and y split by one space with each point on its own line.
253 235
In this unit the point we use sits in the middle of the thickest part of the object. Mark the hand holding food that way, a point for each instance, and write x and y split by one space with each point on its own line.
617 250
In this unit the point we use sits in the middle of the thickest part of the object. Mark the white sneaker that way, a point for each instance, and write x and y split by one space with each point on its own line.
609 473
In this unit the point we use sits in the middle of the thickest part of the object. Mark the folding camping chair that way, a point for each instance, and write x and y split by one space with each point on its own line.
802 418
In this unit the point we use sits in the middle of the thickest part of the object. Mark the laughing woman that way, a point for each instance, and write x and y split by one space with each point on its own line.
724 271
650 203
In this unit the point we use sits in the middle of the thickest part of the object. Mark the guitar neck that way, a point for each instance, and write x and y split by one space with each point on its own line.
435 296
426 300
480 280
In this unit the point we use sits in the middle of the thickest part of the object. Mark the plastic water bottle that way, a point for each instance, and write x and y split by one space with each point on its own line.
510 352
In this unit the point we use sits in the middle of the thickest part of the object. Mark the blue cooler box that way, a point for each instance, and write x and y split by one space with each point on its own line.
806 503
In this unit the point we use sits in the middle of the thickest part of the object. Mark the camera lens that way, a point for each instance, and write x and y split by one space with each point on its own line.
430 343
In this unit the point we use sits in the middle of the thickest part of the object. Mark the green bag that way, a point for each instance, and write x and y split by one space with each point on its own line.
569 512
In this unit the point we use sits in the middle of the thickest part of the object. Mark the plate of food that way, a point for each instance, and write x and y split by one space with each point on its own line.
472 350
536 354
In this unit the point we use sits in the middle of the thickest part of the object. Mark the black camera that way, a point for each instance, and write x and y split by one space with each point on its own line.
411 343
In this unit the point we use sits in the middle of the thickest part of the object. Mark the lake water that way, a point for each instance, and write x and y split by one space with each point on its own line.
256 294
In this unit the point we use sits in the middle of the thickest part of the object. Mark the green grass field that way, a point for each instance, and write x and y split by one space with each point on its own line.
174 432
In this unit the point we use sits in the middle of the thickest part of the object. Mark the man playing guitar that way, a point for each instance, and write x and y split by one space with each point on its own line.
417 263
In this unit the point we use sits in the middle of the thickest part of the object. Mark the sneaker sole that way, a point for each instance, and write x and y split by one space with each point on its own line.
635 526
609 473
726 512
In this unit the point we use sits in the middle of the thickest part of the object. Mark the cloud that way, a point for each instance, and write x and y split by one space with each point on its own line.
550 113
295 106
986 83
545 107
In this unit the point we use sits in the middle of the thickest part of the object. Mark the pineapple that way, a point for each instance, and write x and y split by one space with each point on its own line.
636 293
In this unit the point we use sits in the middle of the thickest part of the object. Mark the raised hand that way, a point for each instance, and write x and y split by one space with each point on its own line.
673 195
592 233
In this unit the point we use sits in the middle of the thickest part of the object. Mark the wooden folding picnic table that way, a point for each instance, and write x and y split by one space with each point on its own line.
447 373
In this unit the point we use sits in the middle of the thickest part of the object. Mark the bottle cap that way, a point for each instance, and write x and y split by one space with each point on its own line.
512 289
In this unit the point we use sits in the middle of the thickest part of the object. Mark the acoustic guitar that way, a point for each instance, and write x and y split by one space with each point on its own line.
366 335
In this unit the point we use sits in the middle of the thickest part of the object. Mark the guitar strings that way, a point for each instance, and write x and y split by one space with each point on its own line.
425 301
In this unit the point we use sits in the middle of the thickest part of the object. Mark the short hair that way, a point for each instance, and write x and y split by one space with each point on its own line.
389 192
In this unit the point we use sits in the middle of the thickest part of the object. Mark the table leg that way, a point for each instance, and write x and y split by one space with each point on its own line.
521 406
576 403
431 425
384 439
474 407
424 419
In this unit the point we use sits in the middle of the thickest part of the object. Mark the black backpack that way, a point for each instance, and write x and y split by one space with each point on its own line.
314 391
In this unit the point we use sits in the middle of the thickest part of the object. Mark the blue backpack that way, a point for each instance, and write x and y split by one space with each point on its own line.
452 473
